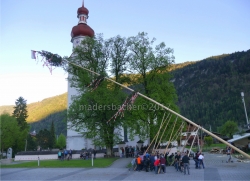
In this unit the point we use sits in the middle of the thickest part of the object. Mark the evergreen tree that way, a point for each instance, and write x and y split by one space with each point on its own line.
52 141
20 113
31 143
43 138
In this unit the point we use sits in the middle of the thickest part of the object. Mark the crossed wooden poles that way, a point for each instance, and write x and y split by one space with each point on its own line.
168 109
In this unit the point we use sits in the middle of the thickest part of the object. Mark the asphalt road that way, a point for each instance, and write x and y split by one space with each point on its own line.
216 168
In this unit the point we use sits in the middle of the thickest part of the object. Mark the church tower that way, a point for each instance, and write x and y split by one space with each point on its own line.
75 141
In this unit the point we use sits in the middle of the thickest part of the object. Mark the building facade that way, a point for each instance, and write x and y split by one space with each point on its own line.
75 140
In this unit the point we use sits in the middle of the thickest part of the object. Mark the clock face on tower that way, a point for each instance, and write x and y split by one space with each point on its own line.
77 42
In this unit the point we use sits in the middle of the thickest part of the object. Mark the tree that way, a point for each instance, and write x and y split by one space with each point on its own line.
52 140
9 131
21 113
91 112
31 143
208 140
229 128
61 142
154 81
43 138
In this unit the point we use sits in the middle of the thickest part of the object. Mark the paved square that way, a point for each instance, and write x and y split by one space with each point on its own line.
216 168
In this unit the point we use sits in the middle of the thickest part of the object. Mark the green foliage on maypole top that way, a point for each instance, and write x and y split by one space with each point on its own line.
53 59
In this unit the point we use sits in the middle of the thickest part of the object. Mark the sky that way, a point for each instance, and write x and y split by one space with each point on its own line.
195 29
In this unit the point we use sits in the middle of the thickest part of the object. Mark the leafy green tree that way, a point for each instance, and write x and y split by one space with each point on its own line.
151 63
20 113
95 54
90 110
229 128
208 140
61 142
9 131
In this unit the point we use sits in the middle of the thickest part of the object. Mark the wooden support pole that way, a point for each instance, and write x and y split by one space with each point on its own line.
170 110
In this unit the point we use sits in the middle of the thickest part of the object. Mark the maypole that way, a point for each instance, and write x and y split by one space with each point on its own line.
49 60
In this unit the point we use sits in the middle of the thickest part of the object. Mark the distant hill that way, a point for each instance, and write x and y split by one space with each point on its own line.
208 94
40 110
42 113
209 91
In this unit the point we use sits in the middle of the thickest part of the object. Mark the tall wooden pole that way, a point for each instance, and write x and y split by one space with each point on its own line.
170 110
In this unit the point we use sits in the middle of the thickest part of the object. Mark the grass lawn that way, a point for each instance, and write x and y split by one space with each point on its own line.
98 163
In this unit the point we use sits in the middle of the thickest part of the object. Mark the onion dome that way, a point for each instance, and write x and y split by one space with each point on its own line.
82 10
82 30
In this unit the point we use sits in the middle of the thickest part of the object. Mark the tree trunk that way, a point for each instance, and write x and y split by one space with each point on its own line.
109 150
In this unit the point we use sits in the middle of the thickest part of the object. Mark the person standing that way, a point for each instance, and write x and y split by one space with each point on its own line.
229 154
94 152
163 164
146 164
152 160
59 155
120 152
70 154
65 154
185 161
201 160
177 161
157 165
138 163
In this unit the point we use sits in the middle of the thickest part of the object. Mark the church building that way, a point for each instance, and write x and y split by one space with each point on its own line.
75 140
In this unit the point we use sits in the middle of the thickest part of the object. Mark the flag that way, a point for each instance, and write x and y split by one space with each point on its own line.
33 54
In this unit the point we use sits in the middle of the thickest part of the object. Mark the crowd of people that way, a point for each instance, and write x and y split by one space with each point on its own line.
131 151
65 154
158 162
88 154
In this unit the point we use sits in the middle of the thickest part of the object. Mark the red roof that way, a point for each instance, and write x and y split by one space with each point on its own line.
82 10
82 29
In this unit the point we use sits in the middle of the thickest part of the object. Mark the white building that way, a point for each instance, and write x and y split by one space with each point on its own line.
75 140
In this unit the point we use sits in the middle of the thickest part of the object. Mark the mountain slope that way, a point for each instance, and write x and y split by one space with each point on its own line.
208 94
209 91
40 110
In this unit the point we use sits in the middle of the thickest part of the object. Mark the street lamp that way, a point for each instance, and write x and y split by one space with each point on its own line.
242 95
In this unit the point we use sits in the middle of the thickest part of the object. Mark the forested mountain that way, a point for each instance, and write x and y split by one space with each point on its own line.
42 113
59 119
40 110
209 91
